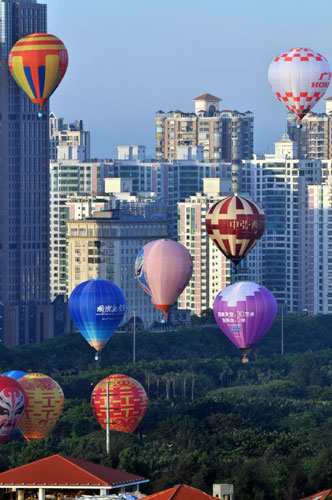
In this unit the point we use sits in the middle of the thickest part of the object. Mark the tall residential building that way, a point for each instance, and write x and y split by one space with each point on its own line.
318 249
279 183
70 136
106 246
314 138
224 134
24 178
67 177
172 181
211 270
319 244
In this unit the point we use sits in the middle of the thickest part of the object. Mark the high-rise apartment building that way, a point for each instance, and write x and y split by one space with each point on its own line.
24 178
319 244
224 135
279 183
68 139
106 246
172 181
67 177
314 138
211 270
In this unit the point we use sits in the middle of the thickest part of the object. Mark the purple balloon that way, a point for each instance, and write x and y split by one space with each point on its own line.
245 311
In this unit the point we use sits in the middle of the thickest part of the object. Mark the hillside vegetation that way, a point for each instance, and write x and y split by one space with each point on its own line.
263 426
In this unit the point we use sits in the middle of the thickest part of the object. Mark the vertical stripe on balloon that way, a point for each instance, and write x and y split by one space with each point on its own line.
51 75
19 75
41 78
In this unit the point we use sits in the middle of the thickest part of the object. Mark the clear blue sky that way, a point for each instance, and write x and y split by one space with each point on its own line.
130 58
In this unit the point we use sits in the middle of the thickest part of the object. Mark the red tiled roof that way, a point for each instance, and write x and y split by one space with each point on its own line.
61 470
181 492
318 496
207 97
328 99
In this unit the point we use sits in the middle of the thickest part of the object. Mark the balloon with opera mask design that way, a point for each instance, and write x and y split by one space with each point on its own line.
12 406
45 401
127 403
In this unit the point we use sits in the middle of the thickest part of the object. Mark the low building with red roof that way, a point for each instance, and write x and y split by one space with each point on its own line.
59 472
319 496
180 492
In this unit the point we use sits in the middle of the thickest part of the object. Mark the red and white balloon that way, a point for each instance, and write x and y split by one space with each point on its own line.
299 78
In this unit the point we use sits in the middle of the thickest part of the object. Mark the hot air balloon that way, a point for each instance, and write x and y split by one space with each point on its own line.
235 225
44 405
163 269
12 405
245 311
127 403
97 308
15 374
299 78
38 63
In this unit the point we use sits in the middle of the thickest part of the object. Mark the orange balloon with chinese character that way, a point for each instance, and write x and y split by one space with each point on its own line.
44 405
127 403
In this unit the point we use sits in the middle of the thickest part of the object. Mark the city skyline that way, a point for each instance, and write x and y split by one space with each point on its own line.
140 58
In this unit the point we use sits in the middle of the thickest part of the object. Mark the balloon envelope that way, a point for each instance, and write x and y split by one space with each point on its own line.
235 225
44 405
97 308
299 78
127 401
12 406
244 312
15 374
38 63
163 269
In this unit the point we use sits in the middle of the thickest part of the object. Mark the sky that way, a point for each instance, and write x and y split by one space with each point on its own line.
131 58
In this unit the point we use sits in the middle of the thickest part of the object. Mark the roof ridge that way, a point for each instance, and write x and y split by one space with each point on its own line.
176 491
68 459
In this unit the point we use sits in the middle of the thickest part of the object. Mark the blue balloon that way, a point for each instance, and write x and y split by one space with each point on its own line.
15 374
97 308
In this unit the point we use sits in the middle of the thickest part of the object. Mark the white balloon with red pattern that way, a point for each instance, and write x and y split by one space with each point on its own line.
299 78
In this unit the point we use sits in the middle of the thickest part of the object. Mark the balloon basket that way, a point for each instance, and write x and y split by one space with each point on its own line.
96 357
245 352
164 318
40 114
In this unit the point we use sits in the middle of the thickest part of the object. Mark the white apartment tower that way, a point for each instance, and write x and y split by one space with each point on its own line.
279 184
211 270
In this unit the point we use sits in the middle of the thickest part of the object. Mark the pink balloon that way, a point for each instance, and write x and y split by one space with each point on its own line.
163 269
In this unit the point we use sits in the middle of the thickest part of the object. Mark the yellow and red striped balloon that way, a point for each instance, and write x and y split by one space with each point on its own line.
38 63
235 225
